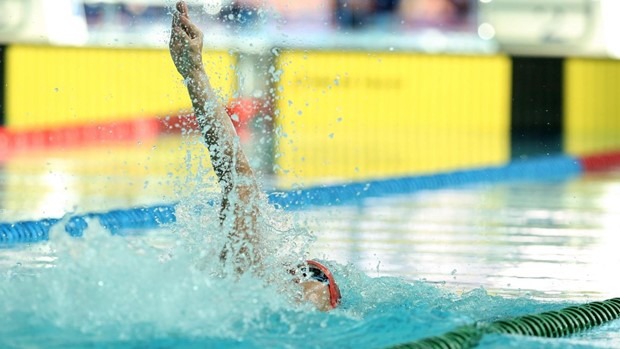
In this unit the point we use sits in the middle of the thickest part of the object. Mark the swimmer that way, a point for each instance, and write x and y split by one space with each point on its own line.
240 189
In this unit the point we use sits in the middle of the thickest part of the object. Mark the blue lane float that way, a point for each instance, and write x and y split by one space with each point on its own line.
117 221
548 168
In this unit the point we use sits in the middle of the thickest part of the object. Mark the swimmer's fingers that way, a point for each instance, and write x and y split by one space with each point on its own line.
177 36
182 8
185 43
190 28
177 30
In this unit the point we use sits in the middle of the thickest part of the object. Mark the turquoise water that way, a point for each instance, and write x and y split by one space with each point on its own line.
409 267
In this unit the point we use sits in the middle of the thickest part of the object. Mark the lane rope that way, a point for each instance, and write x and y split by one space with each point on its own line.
547 168
551 324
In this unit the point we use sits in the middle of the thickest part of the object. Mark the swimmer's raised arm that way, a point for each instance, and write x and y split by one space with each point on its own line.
239 186
240 189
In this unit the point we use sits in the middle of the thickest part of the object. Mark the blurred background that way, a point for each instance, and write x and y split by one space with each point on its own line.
94 116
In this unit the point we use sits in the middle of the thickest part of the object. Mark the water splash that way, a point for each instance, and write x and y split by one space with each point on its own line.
166 289
150 291
153 285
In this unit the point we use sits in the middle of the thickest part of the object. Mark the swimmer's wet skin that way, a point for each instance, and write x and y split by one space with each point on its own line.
240 188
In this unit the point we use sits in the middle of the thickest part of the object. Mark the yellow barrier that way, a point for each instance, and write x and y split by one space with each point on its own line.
357 115
61 86
592 106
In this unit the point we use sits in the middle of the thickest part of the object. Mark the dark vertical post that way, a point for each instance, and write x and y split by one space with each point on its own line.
537 106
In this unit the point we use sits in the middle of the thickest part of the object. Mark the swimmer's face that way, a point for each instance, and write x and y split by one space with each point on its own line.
317 293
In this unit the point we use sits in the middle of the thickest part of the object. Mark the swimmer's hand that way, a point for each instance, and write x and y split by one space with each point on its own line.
186 43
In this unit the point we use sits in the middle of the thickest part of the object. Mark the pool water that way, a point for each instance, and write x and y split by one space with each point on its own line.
409 267
551 240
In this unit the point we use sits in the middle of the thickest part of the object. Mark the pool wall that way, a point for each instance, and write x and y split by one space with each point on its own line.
340 115
70 97
52 87
357 116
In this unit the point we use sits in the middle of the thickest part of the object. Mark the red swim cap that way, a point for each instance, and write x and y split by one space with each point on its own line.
334 291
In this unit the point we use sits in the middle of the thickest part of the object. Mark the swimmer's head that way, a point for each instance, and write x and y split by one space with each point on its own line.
318 285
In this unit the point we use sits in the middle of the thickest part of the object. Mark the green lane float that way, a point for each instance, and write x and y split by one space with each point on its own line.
550 324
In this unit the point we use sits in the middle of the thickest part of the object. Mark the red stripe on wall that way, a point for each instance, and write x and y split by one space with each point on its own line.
241 110
13 142
599 162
